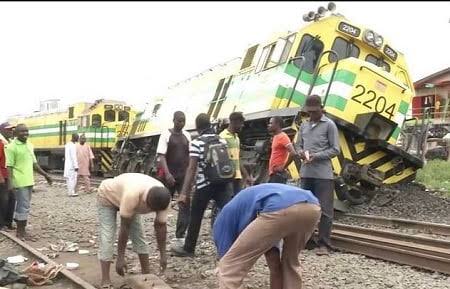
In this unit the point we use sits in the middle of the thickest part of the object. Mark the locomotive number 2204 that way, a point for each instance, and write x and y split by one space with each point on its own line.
371 100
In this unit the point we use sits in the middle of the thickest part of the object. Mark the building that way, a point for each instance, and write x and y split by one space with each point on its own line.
432 95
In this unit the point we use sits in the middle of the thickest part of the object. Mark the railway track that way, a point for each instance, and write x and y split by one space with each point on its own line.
426 227
10 246
420 252
95 182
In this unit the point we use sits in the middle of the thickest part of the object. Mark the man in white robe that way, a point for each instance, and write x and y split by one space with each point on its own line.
71 165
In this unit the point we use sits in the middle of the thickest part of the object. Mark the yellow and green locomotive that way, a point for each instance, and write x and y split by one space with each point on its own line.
102 122
363 81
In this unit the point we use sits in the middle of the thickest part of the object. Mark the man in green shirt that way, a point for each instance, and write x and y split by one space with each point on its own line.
21 162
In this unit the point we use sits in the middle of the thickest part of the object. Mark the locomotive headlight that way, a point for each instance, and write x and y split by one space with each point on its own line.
370 36
378 41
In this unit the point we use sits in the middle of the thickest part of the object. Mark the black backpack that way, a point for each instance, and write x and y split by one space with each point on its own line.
218 166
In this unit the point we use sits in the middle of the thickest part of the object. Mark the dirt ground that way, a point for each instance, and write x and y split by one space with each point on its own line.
55 216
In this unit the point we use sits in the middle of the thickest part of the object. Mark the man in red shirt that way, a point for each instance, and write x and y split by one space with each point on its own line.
281 148
7 198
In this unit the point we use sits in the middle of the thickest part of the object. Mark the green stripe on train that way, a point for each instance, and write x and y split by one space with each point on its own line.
341 75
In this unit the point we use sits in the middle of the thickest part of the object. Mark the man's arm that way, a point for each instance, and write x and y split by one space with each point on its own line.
91 158
292 155
333 140
125 224
9 183
167 175
73 157
161 150
38 169
161 236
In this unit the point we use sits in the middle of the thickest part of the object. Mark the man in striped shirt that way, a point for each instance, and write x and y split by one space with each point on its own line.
205 191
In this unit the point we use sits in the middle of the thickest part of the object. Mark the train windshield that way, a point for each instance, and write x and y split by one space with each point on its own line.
310 47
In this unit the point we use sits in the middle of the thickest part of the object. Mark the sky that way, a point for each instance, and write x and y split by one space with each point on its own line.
131 51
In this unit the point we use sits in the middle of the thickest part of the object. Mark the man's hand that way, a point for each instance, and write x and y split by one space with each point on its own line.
182 199
49 179
170 179
163 263
302 155
278 169
121 266
249 181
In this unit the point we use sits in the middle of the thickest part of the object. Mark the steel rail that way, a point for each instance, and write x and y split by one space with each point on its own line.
405 249
69 275
426 227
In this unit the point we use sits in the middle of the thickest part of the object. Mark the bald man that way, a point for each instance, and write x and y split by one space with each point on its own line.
130 195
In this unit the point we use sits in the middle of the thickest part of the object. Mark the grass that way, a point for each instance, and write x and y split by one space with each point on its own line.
435 175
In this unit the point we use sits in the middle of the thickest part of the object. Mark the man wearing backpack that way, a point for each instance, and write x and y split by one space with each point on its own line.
173 153
214 176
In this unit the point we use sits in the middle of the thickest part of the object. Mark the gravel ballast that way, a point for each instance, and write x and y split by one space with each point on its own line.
56 216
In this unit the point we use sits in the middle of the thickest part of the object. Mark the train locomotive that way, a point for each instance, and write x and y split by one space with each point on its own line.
102 122
362 79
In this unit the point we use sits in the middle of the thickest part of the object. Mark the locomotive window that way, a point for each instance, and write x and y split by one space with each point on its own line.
378 62
264 60
248 59
123 115
156 109
110 115
287 48
344 49
71 110
311 48
85 121
96 120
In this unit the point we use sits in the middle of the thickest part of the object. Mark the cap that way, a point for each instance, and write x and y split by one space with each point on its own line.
6 125
312 103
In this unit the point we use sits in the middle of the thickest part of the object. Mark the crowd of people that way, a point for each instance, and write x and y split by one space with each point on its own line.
272 219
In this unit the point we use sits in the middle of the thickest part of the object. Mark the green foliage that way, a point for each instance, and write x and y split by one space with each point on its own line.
435 175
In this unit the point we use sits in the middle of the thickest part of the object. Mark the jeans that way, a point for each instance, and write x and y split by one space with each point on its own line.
323 190
107 217
7 205
183 210
23 206
220 193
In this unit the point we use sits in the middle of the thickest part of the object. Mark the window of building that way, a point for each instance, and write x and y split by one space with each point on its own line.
123 115
110 115
248 59
378 62
96 120
71 111
344 49
310 47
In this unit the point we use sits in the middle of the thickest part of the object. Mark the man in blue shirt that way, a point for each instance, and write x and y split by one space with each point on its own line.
253 222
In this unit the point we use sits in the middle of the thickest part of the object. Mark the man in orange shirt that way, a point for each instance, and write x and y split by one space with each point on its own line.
281 148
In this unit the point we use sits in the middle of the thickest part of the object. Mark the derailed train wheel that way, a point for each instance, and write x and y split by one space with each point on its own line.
352 194
123 166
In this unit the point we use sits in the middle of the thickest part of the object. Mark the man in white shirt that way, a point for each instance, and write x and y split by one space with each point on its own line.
173 153
71 165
